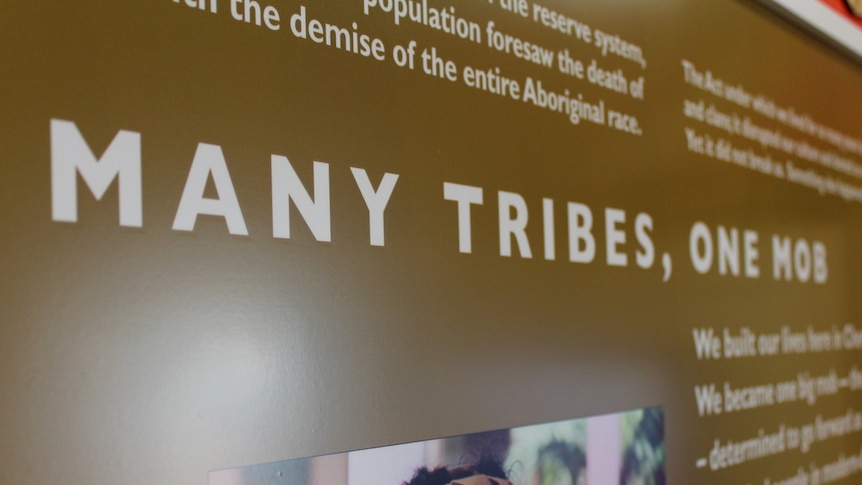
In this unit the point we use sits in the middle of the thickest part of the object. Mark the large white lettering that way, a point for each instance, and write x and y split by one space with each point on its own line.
287 187
209 163
70 155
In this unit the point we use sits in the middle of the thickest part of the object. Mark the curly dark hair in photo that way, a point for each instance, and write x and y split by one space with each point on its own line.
443 475
649 434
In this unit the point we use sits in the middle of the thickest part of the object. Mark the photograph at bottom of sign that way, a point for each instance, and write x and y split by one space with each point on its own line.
625 448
